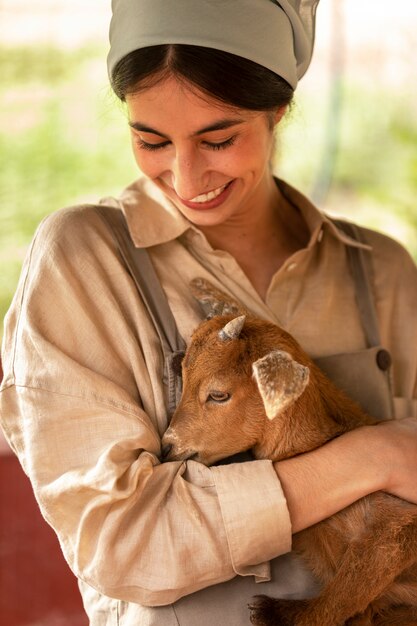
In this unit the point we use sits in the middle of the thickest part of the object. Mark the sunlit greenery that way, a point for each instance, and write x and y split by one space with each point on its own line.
64 140
374 165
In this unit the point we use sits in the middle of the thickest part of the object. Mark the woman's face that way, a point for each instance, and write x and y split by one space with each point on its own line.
210 159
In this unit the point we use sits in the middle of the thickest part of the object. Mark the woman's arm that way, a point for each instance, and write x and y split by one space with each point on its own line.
82 404
372 458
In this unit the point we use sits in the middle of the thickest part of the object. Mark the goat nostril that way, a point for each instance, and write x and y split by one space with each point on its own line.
166 449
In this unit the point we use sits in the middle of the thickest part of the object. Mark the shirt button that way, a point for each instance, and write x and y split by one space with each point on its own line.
383 359
291 267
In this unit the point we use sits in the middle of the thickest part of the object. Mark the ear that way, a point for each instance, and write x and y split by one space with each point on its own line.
280 380
213 301
279 114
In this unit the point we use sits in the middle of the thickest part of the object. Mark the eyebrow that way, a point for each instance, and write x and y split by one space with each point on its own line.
220 125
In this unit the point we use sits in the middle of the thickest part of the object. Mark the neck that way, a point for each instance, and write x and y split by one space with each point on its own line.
248 227
299 431
262 238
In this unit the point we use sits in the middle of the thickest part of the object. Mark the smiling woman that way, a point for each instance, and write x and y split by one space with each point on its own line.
89 383
242 108
203 147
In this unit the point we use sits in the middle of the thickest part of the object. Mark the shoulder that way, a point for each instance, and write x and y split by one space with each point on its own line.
74 240
76 231
76 222
388 254
394 270
383 243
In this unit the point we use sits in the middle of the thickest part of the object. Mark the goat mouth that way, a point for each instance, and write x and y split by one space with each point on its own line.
187 455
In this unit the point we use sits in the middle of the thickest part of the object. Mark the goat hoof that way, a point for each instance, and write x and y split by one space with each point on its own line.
267 611
261 611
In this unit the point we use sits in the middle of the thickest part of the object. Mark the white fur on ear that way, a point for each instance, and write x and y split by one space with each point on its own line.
280 380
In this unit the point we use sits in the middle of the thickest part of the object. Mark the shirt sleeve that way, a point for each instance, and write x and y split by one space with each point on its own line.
78 406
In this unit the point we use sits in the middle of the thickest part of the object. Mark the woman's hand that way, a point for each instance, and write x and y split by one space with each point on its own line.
398 440
322 482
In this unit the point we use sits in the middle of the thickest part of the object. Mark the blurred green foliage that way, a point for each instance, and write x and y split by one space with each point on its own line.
374 168
64 140
58 136
44 65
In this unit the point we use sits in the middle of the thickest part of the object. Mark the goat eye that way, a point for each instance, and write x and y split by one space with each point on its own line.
218 396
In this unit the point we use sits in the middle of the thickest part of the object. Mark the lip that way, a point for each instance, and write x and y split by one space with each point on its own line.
210 204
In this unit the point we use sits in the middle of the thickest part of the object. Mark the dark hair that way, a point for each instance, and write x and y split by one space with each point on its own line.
228 78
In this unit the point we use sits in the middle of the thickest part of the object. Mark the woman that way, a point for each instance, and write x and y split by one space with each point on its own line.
83 400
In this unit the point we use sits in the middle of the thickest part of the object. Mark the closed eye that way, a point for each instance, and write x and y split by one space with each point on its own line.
210 145
144 145
218 396
221 145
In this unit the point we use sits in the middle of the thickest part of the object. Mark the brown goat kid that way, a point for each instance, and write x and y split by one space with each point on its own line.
247 384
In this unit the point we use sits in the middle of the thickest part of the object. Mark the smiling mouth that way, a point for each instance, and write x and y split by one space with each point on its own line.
211 195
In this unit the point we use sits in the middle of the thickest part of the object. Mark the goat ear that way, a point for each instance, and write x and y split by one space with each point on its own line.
213 301
280 380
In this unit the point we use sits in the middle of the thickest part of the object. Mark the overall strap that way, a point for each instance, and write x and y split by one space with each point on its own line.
361 269
148 284
362 273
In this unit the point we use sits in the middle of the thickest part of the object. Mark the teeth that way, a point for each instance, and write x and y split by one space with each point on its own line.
206 197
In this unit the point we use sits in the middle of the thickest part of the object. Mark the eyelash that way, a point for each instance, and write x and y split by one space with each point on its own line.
150 146
143 145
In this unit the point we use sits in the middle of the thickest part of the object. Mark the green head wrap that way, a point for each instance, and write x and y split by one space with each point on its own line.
278 35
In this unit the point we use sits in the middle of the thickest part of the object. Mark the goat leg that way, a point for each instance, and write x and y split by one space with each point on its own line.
266 611
362 619
367 569
397 616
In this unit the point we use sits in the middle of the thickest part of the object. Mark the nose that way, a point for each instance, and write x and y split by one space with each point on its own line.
166 449
188 174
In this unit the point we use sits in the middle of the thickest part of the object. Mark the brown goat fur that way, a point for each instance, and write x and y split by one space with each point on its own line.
366 555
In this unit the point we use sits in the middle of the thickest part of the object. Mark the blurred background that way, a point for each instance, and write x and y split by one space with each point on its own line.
350 141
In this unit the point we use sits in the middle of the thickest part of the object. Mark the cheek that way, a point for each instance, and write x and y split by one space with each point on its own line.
148 162
262 150
250 159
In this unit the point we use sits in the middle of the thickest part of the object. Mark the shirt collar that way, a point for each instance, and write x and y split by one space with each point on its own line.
153 219
317 221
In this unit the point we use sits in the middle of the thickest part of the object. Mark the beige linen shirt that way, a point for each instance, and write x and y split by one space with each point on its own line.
82 400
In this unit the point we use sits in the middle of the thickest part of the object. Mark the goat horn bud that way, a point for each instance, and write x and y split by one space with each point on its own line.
233 328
